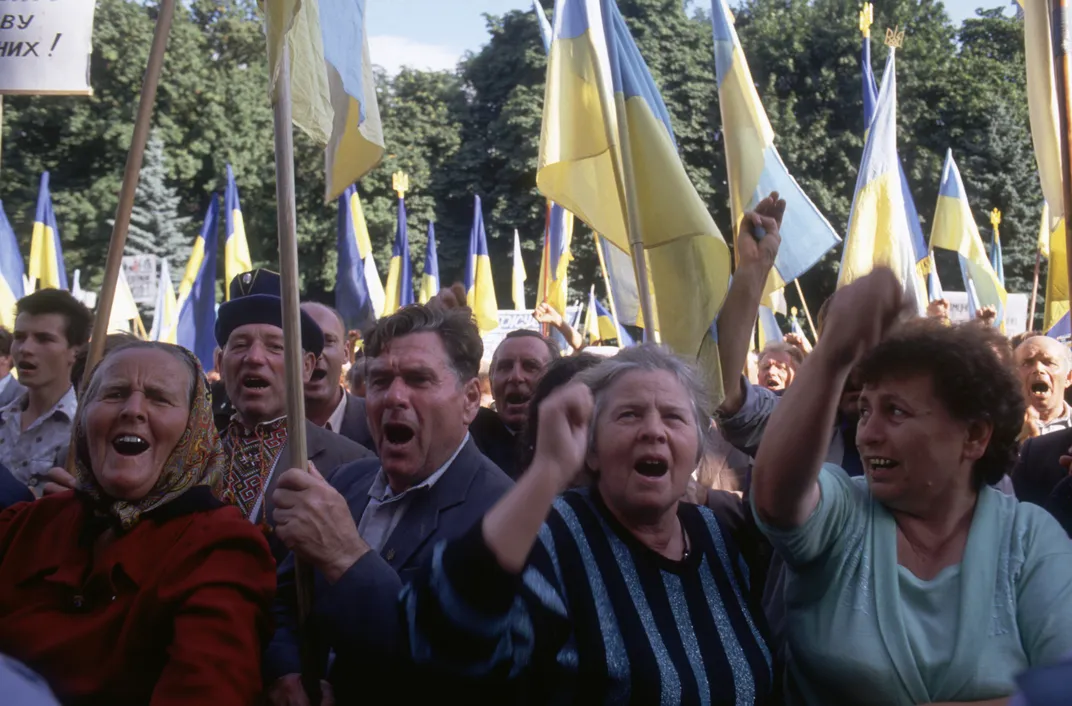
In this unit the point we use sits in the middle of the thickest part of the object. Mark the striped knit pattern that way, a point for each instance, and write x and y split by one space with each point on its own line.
596 617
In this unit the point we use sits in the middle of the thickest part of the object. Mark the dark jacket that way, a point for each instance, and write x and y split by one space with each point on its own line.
358 617
1038 471
497 442
11 490
355 422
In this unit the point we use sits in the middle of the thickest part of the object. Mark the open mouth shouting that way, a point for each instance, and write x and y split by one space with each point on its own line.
1039 389
318 374
397 436
652 466
255 383
516 401
130 444
880 464
26 367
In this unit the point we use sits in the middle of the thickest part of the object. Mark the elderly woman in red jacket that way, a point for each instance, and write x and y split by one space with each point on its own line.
139 587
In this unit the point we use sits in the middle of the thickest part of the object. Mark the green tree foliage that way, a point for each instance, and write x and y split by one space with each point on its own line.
476 129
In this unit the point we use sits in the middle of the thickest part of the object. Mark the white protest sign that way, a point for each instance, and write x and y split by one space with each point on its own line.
514 319
45 46
1015 310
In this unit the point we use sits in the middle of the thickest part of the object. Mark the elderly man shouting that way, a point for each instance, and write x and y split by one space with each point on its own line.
368 530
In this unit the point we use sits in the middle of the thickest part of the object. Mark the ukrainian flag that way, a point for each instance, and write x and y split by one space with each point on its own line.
166 309
1056 277
479 288
878 228
197 307
769 330
517 279
753 164
356 279
333 96
236 259
599 324
996 260
620 280
400 273
954 229
124 315
12 271
934 285
430 277
46 254
545 26
554 262
1042 100
606 144
919 243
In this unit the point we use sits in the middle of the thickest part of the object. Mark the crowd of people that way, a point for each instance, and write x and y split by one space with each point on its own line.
881 519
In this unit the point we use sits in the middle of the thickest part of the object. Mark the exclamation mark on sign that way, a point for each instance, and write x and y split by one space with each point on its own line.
55 42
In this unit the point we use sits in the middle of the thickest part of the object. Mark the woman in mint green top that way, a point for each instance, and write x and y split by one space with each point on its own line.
918 584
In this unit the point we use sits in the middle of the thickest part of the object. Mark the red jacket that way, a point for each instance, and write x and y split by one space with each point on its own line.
173 612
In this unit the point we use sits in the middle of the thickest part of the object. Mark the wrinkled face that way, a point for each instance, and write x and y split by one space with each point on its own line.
135 419
40 350
776 370
418 409
517 367
646 445
912 449
1044 373
252 367
323 386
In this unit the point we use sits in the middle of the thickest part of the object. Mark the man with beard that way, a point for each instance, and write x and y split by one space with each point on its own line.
516 366
327 403
1045 368
377 522
249 330
778 365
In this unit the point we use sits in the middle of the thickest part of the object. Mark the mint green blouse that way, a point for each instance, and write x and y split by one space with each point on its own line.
863 630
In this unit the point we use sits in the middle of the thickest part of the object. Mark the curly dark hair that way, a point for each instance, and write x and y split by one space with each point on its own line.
969 378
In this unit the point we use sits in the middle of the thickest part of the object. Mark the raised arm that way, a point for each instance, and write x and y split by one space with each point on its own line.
738 316
784 479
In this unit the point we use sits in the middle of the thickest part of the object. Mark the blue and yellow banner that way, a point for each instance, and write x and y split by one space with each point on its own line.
399 287
46 268
430 276
479 288
12 271
954 229
753 165
554 260
607 154
236 259
166 311
354 283
197 293
878 232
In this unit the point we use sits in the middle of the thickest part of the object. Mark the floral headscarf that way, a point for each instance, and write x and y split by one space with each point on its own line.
197 458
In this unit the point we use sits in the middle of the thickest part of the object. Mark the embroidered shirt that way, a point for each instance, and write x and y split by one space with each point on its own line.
252 455
29 454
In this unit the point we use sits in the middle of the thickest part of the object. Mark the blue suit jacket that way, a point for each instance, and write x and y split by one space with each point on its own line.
359 617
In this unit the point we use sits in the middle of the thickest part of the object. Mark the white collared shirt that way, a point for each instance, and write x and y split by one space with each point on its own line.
385 509
30 454
334 422
1062 422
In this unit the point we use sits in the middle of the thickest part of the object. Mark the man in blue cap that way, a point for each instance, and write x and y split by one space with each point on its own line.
249 331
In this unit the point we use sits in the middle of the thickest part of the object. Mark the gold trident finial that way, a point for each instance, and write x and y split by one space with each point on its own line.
894 38
867 18
400 183
995 220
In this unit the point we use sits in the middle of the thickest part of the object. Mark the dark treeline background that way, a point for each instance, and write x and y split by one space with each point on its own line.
476 130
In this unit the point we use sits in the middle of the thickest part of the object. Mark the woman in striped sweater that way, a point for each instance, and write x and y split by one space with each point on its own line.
615 593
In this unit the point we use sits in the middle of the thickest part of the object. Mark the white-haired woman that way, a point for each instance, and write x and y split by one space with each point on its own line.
614 593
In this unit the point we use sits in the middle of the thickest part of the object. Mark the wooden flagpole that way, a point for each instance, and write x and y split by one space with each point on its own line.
130 183
807 313
1062 23
1034 292
292 347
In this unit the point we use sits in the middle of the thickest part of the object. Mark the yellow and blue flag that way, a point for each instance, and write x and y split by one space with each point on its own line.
354 282
400 272
197 305
878 232
430 276
954 229
919 243
236 259
554 261
996 261
545 26
934 285
517 279
607 145
753 165
12 271
333 95
620 280
46 269
769 330
1042 102
479 288
1057 273
166 311
599 324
